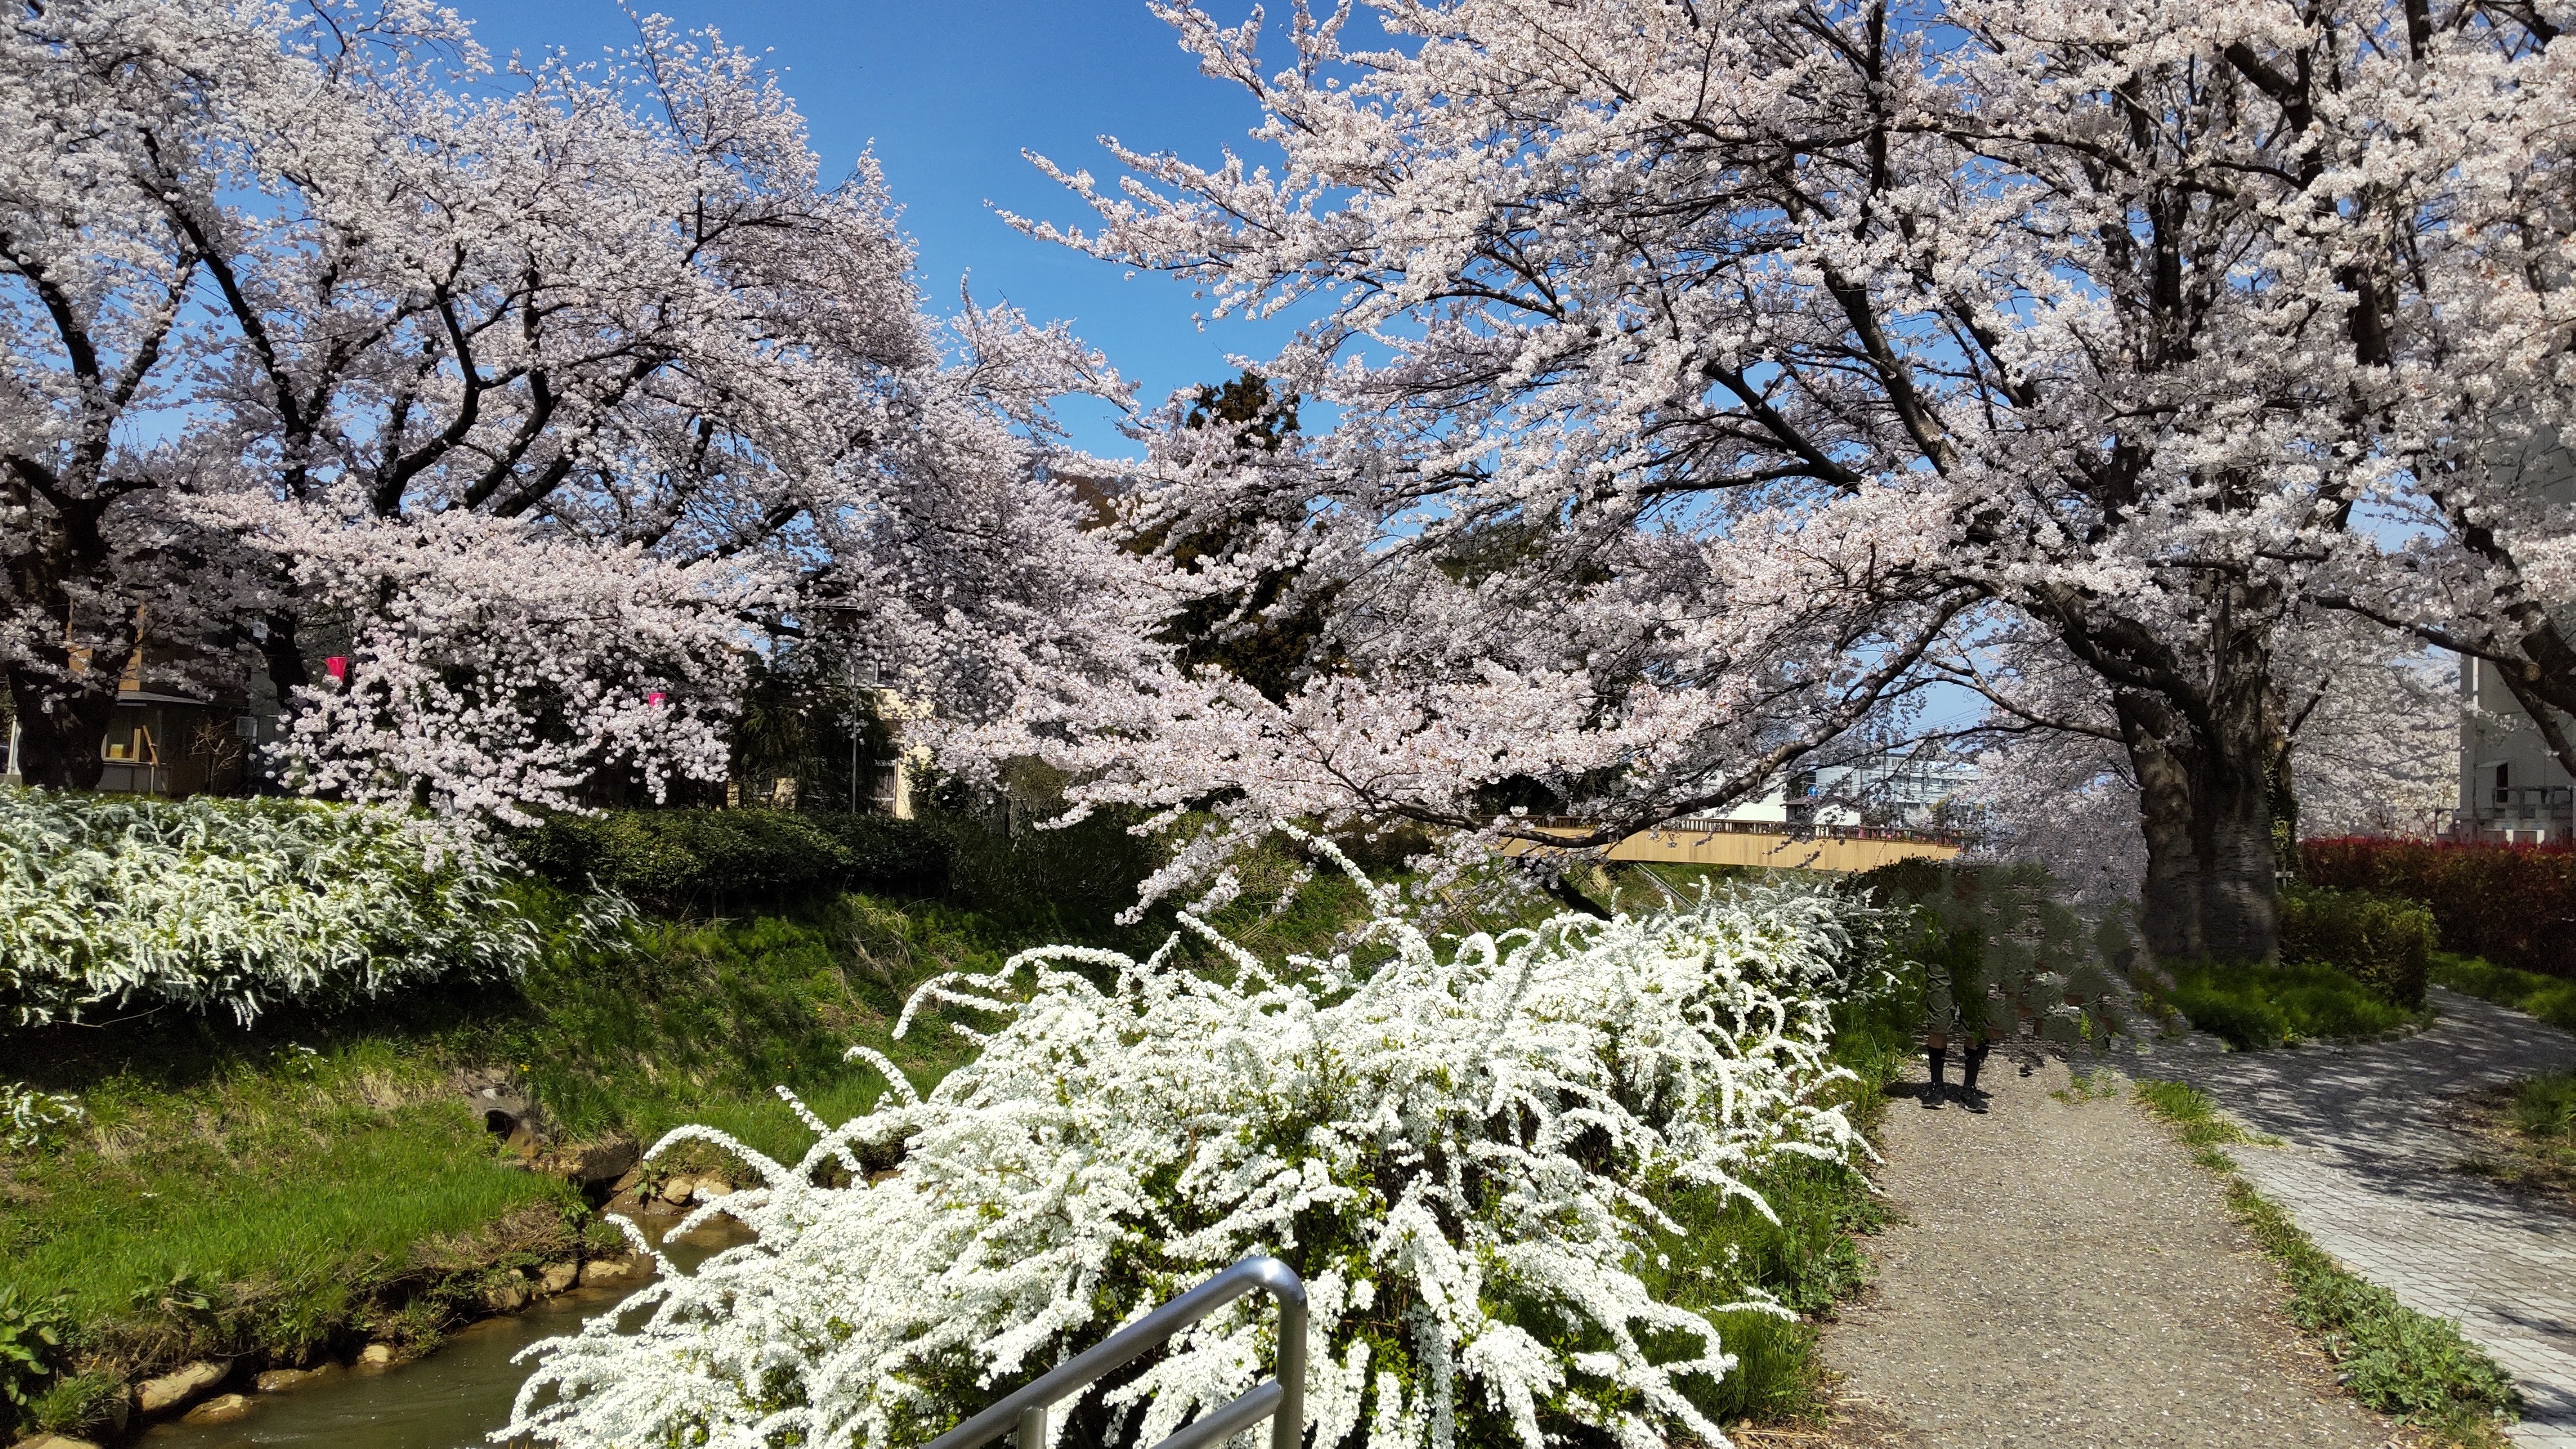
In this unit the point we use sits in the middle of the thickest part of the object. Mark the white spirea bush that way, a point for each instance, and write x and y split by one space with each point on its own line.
1461 1150
109 903
30 1119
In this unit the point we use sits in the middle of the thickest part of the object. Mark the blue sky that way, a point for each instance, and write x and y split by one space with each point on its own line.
949 94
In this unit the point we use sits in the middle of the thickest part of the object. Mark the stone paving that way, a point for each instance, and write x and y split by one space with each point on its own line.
2367 1171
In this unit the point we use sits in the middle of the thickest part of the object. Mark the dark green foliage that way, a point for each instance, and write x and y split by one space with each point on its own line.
905 857
1010 861
2397 1360
2251 1007
2383 942
2550 998
1271 633
683 860
2515 905
34 1342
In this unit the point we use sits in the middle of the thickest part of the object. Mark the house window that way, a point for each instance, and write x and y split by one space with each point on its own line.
2503 793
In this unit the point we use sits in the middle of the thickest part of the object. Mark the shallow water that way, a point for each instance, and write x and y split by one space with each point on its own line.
449 1400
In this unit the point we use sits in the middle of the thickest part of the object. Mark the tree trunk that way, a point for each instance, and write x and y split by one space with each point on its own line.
60 731
2205 804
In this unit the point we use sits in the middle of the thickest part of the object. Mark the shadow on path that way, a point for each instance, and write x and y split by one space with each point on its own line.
2367 1168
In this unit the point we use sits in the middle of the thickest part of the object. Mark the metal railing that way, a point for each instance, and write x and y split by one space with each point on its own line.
1281 1398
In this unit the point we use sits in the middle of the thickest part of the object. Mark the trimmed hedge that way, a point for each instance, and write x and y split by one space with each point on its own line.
2384 942
674 859
2514 905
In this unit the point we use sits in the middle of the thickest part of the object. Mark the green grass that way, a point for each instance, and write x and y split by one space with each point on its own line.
318 1178
2254 1006
2550 998
279 1205
289 1189
2202 1127
2544 1107
2396 1360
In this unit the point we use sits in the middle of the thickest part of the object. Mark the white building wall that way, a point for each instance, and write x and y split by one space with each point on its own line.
2511 787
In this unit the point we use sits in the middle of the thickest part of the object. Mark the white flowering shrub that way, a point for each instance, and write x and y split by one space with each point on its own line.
1461 1150
30 1119
110 902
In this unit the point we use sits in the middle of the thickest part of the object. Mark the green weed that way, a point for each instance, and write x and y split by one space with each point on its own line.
2394 1359
2252 1006
2545 1106
2093 1086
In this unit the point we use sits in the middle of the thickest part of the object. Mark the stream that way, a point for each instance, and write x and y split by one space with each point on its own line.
448 1400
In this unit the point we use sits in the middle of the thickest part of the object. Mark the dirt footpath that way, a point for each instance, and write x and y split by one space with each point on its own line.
2067 1278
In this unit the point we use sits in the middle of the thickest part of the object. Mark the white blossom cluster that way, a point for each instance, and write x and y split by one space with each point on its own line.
493 409
109 902
1704 371
29 1118
1460 1150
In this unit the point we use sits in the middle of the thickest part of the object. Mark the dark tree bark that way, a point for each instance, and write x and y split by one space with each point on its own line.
59 737
2206 807
63 711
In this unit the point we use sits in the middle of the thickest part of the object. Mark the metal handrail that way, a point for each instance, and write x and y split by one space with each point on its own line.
1281 1398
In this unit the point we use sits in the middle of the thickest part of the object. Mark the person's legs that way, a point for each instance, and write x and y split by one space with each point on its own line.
1940 1014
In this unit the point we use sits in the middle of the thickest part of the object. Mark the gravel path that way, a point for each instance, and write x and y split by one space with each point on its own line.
2367 1170
2066 1276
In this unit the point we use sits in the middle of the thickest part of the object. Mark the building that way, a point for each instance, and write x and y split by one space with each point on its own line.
1917 790
164 742
2512 789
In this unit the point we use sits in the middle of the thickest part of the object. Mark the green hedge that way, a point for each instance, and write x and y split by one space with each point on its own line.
2514 905
679 859
2384 942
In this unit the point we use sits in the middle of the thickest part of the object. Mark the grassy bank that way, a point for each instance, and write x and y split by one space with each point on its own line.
2550 998
2403 1363
293 1190
288 1192
1809 1260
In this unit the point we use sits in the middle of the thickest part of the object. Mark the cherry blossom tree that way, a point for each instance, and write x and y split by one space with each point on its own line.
545 391
2368 744
1701 365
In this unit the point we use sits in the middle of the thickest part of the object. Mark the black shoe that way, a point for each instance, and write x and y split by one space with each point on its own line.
1973 1099
1931 1095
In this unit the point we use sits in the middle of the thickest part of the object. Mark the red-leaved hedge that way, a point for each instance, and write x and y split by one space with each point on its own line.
2515 905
